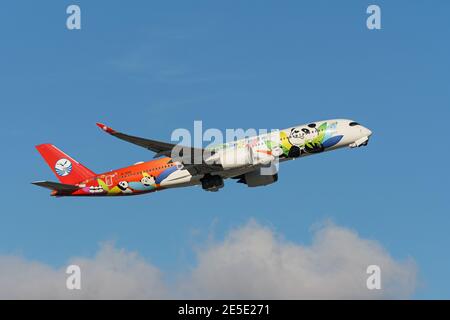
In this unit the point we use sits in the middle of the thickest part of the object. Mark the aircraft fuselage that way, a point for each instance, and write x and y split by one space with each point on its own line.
237 159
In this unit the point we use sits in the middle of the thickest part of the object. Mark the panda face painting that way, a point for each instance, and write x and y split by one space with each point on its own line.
148 181
310 133
123 185
296 137
299 136
63 167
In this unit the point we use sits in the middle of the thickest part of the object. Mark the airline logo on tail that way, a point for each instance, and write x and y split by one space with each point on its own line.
63 167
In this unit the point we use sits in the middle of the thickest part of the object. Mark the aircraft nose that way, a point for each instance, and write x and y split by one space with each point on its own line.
366 132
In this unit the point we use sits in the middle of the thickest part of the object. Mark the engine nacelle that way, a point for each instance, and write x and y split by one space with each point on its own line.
232 158
256 179
261 158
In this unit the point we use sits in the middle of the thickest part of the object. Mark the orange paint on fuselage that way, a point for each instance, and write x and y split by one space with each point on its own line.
132 180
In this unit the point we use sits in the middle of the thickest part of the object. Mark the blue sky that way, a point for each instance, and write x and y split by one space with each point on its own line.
148 68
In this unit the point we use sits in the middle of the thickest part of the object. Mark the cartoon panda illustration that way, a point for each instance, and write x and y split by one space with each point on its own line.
311 133
296 137
123 185
301 139
148 181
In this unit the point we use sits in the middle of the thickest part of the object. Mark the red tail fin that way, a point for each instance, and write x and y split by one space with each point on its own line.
66 169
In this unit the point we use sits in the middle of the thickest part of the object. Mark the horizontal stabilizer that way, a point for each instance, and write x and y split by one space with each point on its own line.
60 187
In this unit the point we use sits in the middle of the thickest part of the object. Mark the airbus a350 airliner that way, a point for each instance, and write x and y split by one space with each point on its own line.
242 160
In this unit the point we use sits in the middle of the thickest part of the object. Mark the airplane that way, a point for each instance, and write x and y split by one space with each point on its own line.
242 160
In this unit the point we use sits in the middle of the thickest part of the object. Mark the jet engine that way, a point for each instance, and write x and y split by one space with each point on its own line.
256 179
231 158
211 182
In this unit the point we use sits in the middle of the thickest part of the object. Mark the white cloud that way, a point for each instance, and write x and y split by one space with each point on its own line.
112 274
252 262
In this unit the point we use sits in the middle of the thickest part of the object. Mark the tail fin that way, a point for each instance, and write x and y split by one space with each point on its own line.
65 168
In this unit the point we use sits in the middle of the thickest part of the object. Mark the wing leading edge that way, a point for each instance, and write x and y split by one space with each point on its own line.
159 147
196 165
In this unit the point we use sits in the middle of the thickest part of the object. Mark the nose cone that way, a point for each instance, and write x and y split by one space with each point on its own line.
366 132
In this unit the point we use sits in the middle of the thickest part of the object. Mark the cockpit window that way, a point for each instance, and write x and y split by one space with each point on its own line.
352 124
312 125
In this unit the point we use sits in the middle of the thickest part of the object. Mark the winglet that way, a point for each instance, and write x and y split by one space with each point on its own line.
105 128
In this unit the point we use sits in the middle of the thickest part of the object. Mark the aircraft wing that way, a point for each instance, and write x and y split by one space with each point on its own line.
165 149
161 148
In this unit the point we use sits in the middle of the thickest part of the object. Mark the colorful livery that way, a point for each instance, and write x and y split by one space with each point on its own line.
250 161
